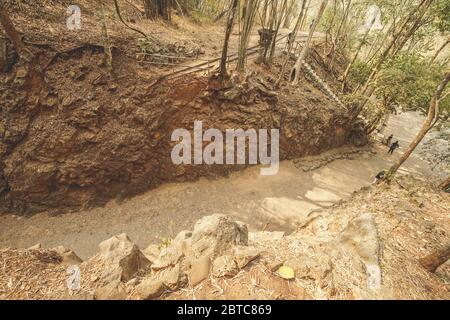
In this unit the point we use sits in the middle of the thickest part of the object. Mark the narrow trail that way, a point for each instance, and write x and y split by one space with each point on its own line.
212 61
264 202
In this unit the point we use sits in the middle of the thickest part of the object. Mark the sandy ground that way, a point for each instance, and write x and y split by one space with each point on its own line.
264 202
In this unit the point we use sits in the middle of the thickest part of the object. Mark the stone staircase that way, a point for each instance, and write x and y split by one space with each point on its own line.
325 87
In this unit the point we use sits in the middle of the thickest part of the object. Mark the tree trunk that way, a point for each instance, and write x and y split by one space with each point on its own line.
108 59
392 43
358 50
340 28
433 113
291 42
305 16
151 9
223 61
248 15
440 50
289 15
436 259
267 34
278 25
295 73
158 9
377 45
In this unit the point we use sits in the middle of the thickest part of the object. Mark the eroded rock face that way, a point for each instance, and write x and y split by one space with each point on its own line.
122 258
80 140
361 236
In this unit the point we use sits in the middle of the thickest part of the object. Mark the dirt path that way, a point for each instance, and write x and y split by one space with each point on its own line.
264 202
200 65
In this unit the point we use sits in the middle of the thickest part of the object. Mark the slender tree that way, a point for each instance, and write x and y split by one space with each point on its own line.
415 15
341 27
433 114
295 73
108 59
229 29
248 16
158 9
281 16
445 44
292 42
355 56
305 16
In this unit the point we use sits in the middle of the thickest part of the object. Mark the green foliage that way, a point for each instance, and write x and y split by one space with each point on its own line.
359 73
408 82
441 11
371 110
165 242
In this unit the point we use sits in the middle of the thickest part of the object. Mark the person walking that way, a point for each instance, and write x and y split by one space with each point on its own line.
393 146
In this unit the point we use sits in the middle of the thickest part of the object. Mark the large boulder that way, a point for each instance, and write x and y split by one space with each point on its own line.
152 252
123 259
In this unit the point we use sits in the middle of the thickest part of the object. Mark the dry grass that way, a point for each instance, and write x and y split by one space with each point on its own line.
412 220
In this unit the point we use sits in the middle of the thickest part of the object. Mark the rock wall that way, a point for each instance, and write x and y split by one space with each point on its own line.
71 137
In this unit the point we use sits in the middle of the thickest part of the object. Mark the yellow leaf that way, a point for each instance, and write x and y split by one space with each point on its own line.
286 272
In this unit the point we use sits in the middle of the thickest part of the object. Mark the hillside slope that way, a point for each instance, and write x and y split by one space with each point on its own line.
367 247
72 136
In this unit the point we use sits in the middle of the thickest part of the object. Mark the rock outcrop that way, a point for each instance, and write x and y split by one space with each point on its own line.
123 259
195 255
356 250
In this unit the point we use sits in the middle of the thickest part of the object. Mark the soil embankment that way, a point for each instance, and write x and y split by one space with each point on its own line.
75 138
